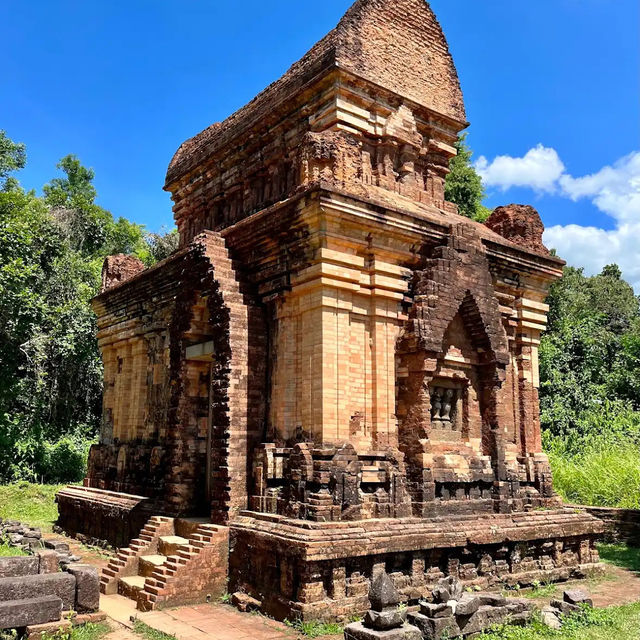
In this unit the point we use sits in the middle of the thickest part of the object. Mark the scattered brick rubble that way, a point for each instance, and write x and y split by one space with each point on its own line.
386 620
27 538
453 613
573 600
47 590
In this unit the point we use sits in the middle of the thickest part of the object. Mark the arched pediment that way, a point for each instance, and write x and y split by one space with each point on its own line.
457 280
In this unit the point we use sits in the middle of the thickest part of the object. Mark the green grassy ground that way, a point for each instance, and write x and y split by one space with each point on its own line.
32 504
600 474
620 555
147 632
8 551
616 623
85 632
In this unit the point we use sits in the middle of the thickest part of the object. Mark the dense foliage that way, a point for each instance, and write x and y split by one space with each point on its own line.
51 254
590 388
464 186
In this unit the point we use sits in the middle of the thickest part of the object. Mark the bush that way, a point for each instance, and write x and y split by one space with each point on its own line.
600 470
29 457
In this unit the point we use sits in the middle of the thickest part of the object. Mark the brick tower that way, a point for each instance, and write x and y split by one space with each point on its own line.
336 365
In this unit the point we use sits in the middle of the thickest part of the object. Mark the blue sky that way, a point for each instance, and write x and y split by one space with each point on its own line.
551 89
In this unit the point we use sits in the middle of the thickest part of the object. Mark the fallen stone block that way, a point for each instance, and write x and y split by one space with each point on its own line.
244 602
566 608
13 567
491 599
577 597
485 617
357 631
90 618
551 617
62 585
87 587
48 561
467 605
39 631
16 614
57 545
436 610
435 628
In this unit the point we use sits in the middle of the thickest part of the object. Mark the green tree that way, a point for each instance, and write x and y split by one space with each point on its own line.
590 355
51 254
464 186
13 156
163 244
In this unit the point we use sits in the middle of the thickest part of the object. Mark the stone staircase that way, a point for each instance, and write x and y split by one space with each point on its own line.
172 562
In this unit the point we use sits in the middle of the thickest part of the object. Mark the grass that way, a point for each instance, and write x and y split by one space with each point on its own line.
620 555
599 473
315 629
617 623
538 590
150 633
32 504
83 632
7 550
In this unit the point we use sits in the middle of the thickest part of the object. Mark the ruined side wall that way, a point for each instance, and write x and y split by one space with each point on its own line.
165 405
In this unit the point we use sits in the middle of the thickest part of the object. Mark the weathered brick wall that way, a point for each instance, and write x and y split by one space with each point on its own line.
621 525
159 404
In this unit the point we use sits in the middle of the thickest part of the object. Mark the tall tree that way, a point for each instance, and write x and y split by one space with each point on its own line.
464 186
590 355
13 156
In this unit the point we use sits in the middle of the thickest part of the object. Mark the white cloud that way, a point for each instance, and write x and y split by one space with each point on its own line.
614 190
539 169
593 248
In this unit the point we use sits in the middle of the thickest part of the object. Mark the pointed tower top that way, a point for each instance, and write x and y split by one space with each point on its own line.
395 44
401 46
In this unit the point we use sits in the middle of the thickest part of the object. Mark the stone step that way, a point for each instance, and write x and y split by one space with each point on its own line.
169 545
130 587
148 564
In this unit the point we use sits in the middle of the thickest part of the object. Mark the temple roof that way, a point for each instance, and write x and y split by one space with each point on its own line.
396 44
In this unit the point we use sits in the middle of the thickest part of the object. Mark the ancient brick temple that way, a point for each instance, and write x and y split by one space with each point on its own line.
336 365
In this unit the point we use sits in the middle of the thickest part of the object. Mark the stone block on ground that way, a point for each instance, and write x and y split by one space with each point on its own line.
62 585
13 567
437 610
90 618
357 631
29 611
551 617
566 608
57 545
577 597
486 616
48 561
87 587
40 631
244 602
435 628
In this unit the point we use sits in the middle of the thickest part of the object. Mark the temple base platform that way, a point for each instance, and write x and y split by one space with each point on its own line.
101 516
322 571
